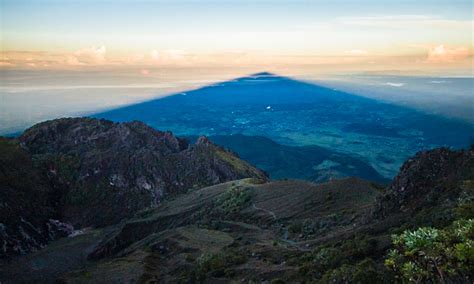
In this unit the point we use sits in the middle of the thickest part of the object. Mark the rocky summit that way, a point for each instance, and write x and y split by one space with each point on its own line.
89 172
437 177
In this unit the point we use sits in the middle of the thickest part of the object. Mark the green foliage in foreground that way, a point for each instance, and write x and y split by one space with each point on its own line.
439 255
346 262
364 271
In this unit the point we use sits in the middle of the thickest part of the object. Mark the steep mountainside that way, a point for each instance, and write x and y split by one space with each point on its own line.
27 210
89 172
429 185
111 170
250 230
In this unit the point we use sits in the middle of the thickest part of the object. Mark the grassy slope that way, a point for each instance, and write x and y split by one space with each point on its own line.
251 224
290 230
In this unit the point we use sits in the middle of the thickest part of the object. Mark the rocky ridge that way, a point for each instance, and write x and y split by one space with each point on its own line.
431 178
91 172
234 230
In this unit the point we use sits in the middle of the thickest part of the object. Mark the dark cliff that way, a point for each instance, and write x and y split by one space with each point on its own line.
430 181
90 172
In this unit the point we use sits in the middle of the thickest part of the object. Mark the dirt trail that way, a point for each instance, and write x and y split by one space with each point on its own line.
265 210
285 233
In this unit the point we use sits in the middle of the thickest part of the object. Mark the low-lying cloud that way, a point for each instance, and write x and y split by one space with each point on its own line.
398 85
445 54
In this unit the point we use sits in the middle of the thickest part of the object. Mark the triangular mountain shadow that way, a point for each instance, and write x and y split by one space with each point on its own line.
259 89
264 73
298 113
215 108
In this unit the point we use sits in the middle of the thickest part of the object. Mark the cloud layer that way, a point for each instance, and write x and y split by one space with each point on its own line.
434 56
444 54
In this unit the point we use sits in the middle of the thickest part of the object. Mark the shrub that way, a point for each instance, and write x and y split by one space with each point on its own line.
429 254
314 264
234 200
295 228
465 208
218 264
329 258
363 272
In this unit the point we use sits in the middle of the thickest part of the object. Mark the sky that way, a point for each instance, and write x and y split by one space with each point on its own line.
71 57
412 36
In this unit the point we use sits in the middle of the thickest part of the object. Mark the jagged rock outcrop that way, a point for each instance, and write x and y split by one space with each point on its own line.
27 213
430 178
109 170
90 172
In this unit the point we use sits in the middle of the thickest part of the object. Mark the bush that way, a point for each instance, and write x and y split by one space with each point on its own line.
433 255
217 265
295 228
364 272
316 263
234 200
465 207
326 259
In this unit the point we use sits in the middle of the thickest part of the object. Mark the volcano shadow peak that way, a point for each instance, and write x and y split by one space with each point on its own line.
297 113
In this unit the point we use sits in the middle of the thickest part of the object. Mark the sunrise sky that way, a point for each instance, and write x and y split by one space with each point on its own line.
347 35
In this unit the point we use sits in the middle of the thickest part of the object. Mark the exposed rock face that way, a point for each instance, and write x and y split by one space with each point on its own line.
109 171
433 177
26 211
89 172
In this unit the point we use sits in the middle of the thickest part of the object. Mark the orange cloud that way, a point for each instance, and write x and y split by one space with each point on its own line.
357 52
87 56
99 57
444 54
171 57
6 64
92 56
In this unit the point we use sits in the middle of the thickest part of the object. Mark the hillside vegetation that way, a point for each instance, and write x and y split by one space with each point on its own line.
244 228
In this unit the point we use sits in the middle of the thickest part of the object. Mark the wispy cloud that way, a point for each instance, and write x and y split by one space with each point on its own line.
397 85
406 21
100 57
90 56
357 52
440 82
171 56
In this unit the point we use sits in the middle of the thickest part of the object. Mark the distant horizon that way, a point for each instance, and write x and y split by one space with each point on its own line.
69 99
426 37
60 58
